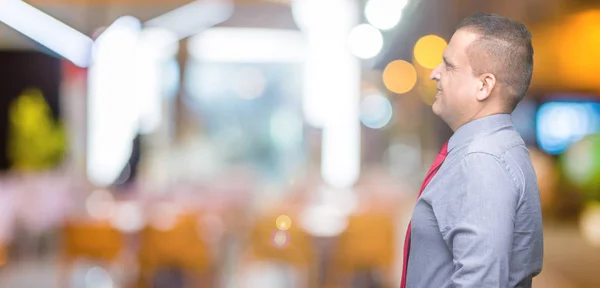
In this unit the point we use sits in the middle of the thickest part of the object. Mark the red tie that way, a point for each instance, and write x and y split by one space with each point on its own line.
434 168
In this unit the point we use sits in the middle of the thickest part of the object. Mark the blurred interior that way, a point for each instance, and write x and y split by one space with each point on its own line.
263 143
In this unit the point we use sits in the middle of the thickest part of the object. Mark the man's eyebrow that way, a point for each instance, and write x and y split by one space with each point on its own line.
448 63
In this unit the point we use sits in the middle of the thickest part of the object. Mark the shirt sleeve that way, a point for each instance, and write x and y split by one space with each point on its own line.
480 223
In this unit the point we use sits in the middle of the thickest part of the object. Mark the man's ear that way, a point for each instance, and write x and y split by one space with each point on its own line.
486 86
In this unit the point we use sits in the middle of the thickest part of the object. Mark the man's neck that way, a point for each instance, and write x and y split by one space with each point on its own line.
478 115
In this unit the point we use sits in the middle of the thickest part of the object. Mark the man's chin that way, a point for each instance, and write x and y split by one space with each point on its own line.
435 107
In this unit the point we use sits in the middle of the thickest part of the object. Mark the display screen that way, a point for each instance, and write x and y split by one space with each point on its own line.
561 123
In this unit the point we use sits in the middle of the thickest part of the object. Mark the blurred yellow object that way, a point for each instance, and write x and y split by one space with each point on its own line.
180 246
93 240
428 51
97 241
399 76
35 140
367 243
293 246
567 53
283 222
3 256
590 224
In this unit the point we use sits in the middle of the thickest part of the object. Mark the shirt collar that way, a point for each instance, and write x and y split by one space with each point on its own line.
465 133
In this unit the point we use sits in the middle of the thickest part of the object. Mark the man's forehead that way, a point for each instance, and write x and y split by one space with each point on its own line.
459 43
464 37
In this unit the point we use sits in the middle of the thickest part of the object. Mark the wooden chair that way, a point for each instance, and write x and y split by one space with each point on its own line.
179 247
366 245
292 248
94 240
97 241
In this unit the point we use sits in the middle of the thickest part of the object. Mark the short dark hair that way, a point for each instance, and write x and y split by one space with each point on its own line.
507 43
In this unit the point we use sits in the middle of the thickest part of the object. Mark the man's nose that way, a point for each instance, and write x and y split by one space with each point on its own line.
435 74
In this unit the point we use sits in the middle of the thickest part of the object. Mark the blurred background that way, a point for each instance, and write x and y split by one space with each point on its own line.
263 143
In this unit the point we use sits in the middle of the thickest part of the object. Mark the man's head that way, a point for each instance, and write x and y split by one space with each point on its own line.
486 70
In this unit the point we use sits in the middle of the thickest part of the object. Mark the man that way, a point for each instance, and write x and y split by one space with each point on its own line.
477 222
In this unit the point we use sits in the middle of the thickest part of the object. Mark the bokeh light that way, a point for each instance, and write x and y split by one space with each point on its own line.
128 217
280 239
581 162
572 61
590 224
384 14
100 205
365 41
429 50
399 76
375 111
324 219
283 222
165 216
113 101
559 124
98 277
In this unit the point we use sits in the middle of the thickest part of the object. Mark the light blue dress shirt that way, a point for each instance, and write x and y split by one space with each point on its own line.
479 221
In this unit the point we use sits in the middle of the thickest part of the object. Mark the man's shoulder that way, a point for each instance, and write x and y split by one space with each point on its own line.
495 144
502 151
